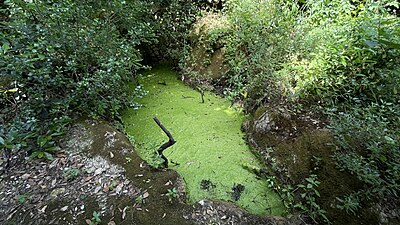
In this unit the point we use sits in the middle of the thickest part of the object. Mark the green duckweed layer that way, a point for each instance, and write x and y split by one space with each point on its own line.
209 148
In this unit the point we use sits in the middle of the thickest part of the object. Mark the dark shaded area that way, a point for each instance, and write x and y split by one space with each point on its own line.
237 190
207 185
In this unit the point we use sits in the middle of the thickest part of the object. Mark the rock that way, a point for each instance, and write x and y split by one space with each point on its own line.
264 123
202 61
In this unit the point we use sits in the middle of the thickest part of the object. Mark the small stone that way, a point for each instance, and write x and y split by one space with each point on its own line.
25 176
106 189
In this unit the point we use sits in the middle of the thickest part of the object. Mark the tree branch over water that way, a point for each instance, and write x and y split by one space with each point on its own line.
166 145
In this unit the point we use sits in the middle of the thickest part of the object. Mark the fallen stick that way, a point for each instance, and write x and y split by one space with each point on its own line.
167 144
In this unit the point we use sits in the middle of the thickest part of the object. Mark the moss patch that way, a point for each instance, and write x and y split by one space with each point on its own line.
207 56
210 145
301 148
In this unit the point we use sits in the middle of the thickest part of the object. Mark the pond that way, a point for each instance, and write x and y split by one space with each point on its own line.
210 152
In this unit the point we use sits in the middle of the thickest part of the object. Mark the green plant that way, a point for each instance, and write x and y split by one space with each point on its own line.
95 220
23 198
155 159
349 203
113 185
172 194
139 199
308 194
172 21
71 173
367 139
61 60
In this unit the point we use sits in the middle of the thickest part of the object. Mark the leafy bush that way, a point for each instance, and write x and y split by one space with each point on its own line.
258 42
309 193
369 139
352 55
342 56
173 19
67 58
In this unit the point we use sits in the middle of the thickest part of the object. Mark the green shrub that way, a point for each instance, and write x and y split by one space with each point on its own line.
342 56
67 58
173 19
260 39
369 143
352 54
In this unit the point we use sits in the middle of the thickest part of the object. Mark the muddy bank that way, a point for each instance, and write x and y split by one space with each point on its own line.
98 171
299 145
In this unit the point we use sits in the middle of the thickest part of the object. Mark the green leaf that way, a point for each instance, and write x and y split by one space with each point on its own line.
1 141
343 61
96 216
5 48
57 134
54 148
34 155
41 141
393 3
389 140
48 156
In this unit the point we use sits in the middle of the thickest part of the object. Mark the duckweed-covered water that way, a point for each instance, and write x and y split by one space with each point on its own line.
210 149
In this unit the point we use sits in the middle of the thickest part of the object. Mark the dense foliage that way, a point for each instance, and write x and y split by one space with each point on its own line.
59 60
63 59
339 57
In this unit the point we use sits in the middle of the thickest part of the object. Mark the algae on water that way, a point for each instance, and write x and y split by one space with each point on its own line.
209 144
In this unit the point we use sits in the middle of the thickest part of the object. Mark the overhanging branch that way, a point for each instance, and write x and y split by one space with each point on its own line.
166 145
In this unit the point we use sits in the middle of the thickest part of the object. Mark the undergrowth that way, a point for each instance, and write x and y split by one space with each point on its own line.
340 58
63 60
